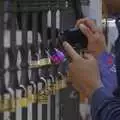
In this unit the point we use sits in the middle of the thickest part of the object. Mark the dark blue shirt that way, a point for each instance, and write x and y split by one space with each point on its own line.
104 106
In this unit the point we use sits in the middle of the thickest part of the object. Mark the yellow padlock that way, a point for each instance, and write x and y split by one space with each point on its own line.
31 95
40 63
23 102
48 88
6 102
1 104
57 85
63 83
53 88
13 104
42 97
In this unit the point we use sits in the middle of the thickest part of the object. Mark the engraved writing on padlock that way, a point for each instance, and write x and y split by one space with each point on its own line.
42 97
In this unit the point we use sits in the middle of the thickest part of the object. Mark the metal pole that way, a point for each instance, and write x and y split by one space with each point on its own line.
95 11
12 52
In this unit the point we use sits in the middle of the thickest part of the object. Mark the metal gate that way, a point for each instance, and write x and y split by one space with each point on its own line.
31 87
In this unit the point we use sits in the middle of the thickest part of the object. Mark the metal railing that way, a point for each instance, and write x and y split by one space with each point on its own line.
34 93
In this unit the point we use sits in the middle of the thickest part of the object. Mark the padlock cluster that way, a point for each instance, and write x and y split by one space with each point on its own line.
33 93
32 68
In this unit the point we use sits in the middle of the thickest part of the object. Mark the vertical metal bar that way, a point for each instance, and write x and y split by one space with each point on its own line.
61 20
2 84
44 30
54 68
35 78
24 64
18 91
53 27
57 106
52 107
48 80
59 109
45 45
77 8
13 83
35 45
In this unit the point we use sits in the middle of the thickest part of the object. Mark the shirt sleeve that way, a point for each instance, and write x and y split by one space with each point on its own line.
104 106
107 68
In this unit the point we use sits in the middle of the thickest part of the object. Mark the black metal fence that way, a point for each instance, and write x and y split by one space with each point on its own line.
34 93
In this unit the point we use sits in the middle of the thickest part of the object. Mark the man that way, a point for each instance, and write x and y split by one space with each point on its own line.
85 73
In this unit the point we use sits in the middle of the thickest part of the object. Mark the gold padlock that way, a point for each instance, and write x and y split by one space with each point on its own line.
40 63
1 104
13 104
31 95
42 97
21 101
6 102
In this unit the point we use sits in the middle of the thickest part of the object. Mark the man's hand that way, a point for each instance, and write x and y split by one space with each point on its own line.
83 71
96 38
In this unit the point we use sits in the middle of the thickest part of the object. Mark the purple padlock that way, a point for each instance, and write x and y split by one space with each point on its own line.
56 56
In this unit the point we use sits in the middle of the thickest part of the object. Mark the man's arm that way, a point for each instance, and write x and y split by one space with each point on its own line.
107 68
104 106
